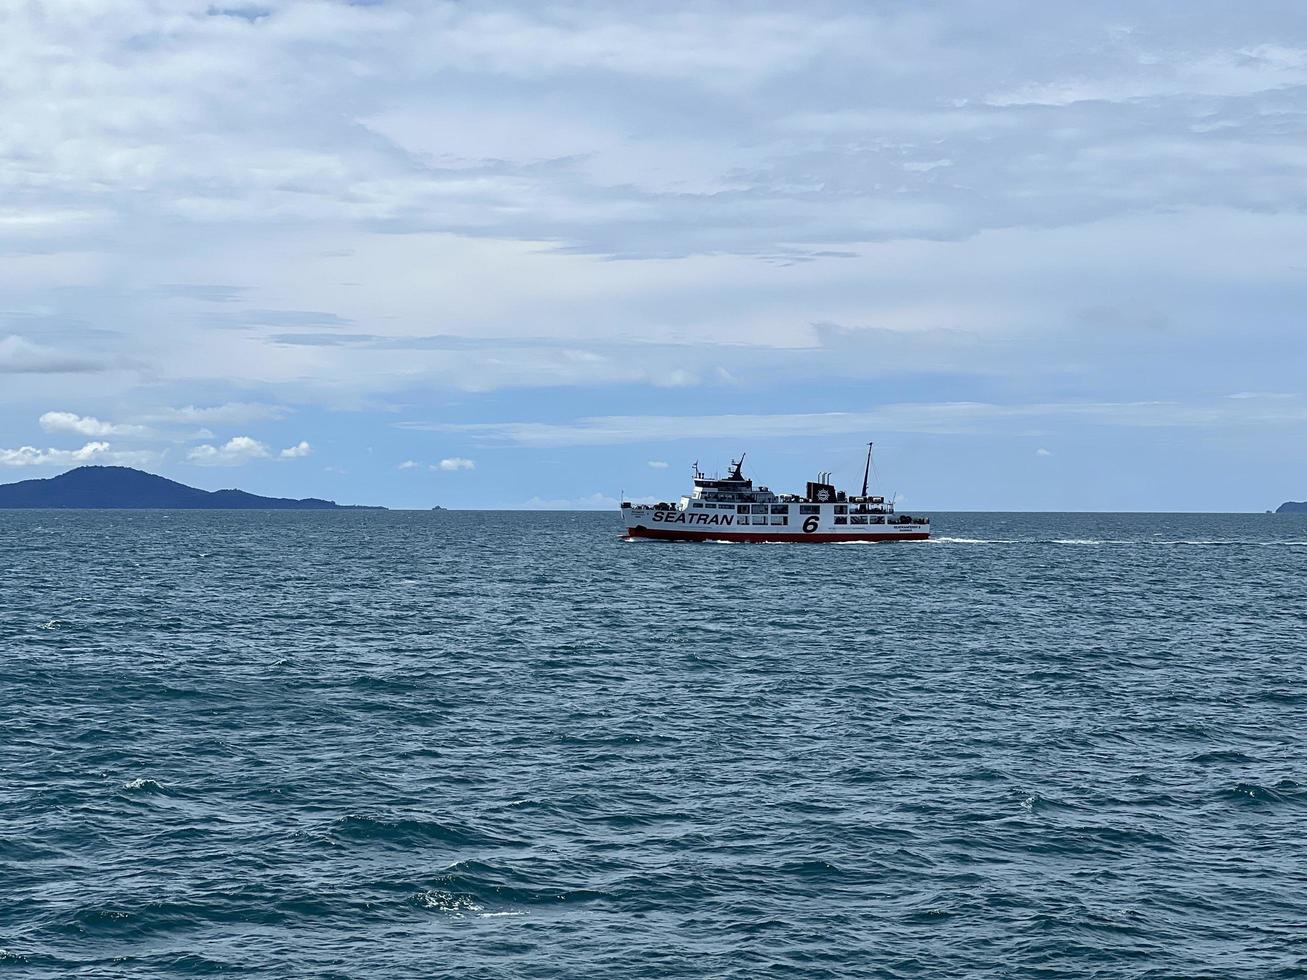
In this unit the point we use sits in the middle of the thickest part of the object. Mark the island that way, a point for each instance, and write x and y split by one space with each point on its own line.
121 487
1292 507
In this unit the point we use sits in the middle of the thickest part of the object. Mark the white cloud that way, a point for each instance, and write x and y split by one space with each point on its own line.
87 425
1155 168
231 413
657 464
235 451
150 128
19 355
298 451
1043 452
92 452
1157 74
408 464
942 418
31 456
456 463
596 501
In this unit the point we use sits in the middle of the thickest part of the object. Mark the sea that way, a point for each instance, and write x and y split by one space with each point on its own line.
365 744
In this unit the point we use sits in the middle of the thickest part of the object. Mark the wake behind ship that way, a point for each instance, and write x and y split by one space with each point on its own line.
733 509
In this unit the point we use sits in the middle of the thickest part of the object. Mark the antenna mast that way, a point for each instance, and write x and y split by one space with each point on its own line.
866 472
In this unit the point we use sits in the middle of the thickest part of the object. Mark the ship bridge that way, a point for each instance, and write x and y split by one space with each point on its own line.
736 488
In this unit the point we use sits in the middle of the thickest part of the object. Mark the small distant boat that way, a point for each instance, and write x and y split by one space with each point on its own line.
733 509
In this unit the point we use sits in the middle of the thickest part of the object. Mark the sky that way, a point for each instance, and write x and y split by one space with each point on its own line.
521 255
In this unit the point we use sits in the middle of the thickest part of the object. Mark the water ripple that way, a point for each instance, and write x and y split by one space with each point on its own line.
420 744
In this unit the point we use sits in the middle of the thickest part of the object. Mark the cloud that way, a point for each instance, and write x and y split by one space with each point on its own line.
31 456
657 464
1031 114
940 418
451 465
1043 452
1155 74
21 356
231 413
234 452
298 451
92 452
621 199
87 425
273 318
201 292
596 501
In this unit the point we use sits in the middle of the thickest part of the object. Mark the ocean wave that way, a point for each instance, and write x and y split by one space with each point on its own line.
1000 756
1283 791
143 785
1037 803
409 831
1135 542
447 902
1222 755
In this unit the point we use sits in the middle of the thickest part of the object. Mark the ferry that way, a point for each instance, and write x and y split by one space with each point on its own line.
733 509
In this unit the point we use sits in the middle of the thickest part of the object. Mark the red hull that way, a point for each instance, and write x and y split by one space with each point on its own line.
664 534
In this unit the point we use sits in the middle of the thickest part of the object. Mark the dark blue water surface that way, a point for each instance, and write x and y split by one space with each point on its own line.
511 745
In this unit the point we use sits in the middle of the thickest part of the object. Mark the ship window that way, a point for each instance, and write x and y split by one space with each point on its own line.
780 509
780 520
857 520
741 508
759 508
879 520
741 520
841 508
809 509
841 520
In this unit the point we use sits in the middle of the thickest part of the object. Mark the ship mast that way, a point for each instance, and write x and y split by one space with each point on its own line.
866 472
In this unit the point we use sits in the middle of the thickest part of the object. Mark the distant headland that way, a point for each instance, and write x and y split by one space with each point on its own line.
1292 507
121 487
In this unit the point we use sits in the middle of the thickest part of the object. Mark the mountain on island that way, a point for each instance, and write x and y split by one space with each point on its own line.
124 487
1292 507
